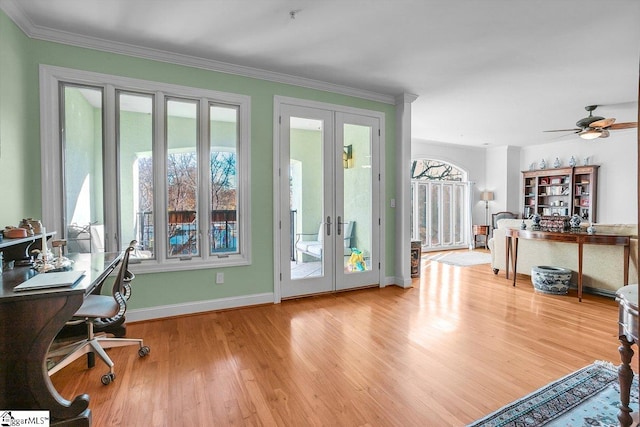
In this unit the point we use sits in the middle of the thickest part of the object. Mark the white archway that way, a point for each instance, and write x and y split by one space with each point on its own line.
440 205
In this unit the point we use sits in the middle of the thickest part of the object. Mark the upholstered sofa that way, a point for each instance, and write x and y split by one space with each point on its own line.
602 265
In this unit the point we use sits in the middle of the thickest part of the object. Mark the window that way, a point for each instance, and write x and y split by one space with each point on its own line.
161 164
440 208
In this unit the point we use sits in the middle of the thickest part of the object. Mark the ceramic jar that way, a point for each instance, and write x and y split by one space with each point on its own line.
536 218
575 221
27 226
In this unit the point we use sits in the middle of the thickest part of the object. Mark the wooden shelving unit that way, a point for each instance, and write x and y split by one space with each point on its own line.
584 194
561 191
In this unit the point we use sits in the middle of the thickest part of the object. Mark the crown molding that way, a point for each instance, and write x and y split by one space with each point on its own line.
17 15
405 98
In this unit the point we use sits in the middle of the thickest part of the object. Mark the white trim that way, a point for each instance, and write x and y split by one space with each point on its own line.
33 31
51 156
403 189
171 310
277 224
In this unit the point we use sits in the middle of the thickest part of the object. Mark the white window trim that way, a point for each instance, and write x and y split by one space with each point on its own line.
51 160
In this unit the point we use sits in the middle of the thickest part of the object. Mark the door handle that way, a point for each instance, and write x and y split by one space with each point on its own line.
328 226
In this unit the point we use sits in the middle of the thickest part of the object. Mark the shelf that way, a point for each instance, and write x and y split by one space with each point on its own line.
6 242
575 188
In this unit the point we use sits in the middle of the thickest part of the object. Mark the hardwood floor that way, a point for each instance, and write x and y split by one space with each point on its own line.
459 344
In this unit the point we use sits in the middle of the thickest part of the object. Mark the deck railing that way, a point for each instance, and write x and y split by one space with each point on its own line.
183 232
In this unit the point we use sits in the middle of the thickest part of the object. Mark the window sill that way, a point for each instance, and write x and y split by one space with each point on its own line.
153 266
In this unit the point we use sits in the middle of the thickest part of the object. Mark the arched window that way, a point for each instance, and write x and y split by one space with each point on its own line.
440 205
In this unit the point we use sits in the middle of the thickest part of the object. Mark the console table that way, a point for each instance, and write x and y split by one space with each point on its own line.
579 238
628 325
29 321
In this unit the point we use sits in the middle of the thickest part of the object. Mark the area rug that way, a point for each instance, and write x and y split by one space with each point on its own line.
587 397
462 258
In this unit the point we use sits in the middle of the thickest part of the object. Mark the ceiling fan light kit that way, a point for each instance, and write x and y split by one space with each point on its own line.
590 133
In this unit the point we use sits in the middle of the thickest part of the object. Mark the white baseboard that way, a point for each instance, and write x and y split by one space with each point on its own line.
398 281
136 315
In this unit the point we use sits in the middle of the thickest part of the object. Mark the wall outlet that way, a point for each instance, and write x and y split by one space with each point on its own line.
219 278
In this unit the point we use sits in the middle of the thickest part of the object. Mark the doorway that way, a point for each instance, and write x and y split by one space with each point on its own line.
328 198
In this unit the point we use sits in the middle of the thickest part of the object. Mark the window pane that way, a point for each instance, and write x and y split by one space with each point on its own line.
223 149
182 177
434 227
358 195
446 209
423 213
135 143
82 150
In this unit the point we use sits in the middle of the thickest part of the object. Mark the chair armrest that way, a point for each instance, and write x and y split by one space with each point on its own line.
299 235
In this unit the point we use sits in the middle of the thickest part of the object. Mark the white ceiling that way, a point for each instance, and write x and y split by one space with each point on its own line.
486 72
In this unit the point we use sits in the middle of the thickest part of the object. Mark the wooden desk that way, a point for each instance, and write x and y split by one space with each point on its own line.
29 321
480 230
580 238
627 298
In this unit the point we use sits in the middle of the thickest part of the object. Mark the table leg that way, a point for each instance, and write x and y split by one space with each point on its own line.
580 251
24 381
515 260
507 250
626 265
625 378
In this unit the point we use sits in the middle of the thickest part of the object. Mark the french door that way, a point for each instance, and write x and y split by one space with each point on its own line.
329 226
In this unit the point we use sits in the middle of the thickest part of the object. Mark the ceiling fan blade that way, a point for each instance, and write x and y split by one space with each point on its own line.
563 130
602 123
628 125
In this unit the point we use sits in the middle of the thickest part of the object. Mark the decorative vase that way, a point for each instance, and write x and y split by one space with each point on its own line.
591 229
523 226
572 161
575 221
551 280
536 218
557 163
542 164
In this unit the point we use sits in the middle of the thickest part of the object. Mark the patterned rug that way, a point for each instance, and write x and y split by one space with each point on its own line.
588 397
462 258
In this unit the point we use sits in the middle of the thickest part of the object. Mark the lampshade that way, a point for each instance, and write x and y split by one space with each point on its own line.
486 196
590 133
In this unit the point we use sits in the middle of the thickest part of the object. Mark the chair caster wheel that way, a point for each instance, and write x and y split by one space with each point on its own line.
107 378
143 351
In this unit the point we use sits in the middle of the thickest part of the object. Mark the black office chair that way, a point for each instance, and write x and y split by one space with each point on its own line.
101 311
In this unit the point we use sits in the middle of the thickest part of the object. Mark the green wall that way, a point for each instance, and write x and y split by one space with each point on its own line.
19 127
19 124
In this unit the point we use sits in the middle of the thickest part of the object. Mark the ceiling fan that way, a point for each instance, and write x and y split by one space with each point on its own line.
592 127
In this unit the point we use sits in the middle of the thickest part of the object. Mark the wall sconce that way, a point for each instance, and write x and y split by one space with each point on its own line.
347 157
486 196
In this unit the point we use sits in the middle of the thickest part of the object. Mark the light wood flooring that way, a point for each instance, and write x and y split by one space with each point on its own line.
459 344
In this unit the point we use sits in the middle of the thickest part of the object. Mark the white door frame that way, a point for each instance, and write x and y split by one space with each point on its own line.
280 169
